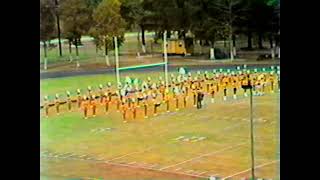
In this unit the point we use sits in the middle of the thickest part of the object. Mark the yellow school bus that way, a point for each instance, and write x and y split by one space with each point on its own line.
176 47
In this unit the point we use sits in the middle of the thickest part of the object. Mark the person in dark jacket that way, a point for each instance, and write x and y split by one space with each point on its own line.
200 99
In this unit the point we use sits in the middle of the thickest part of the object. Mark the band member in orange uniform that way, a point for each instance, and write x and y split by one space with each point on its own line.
225 83
79 98
107 102
271 80
176 96
85 106
157 102
93 105
69 101
235 85
167 99
46 105
245 82
145 105
125 108
57 104
101 93
134 107
212 92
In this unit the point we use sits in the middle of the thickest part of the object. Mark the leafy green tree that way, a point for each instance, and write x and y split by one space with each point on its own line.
230 12
76 17
108 23
47 25
133 13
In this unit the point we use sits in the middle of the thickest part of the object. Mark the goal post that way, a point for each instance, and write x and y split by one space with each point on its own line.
164 63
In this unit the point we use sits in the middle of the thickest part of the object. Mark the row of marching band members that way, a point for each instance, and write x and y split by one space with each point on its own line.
134 97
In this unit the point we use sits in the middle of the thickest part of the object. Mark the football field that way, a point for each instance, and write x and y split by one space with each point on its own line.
184 144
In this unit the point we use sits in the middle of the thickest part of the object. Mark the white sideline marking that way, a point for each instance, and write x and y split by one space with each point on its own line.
208 154
259 166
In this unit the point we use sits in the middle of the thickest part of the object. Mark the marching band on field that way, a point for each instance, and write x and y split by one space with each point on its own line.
185 89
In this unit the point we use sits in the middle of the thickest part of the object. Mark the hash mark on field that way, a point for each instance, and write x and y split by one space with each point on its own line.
203 155
178 169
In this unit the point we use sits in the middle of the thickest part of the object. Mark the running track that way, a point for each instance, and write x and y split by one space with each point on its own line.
47 75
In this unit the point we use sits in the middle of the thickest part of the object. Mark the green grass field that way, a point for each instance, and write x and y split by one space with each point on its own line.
147 149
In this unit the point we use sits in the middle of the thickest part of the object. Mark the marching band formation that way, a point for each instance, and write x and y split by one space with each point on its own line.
135 99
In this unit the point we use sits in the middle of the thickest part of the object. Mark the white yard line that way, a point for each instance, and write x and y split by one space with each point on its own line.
200 173
259 166
203 155
136 152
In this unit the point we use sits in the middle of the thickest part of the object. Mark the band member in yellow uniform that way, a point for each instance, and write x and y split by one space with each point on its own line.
271 80
140 97
245 82
122 94
85 106
206 81
101 93
157 102
69 101
125 108
145 105
218 81
134 107
162 89
79 98
107 102
57 103
167 99
93 105
212 91
235 85
225 83
46 105
176 93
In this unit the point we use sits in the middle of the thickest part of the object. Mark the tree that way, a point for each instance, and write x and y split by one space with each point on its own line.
108 23
133 13
231 12
58 26
204 22
47 25
76 20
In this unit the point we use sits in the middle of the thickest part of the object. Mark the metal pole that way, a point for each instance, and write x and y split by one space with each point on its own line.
117 59
165 57
252 136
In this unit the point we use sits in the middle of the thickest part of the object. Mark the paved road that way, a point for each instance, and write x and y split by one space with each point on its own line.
47 75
